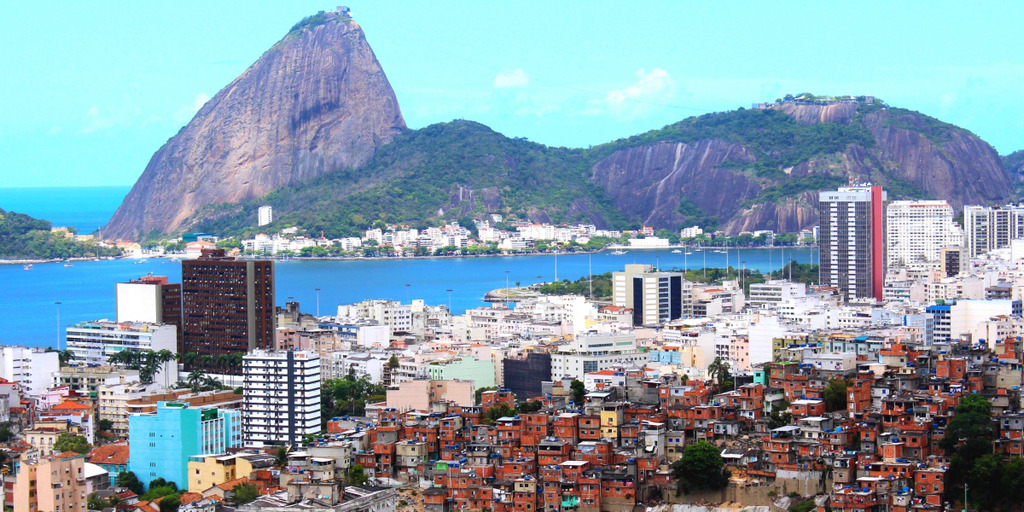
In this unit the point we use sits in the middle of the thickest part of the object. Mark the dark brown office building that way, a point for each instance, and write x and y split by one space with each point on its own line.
227 304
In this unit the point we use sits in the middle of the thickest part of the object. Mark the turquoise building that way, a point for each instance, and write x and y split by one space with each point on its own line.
481 372
161 443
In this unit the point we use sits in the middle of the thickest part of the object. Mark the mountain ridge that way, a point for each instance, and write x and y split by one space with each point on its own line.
316 101
314 129
740 170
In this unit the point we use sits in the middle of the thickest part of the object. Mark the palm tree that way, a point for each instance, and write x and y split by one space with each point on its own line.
195 380
188 359
717 371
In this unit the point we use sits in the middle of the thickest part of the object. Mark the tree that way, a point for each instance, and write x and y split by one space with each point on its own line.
170 503
972 419
68 442
497 412
357 475
105 425
5 433
480 393
718 372
530 406
281 457
835 395
130 481
393 363
700 468
244 493
578 391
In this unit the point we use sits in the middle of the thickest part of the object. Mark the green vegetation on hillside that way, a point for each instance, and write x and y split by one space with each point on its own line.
775 136
25 237
461 170
432 176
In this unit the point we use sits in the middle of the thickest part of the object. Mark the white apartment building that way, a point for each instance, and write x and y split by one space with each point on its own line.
405 318
266 215
33 369
92 343
596 352
774 292
655 297
917 231
281 397
987 228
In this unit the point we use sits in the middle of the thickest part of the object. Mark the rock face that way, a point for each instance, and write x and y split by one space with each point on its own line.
901 149
315 102
649 182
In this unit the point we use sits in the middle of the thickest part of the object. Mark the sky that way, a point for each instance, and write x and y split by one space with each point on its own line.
90 90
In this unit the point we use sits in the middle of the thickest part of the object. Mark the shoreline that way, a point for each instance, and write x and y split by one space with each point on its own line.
443 256
55 260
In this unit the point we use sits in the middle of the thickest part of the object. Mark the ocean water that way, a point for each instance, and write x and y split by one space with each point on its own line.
86 208
29 315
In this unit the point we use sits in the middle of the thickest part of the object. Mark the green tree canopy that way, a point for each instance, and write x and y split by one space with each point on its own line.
700 468
67 442
578 391
244 493
835 395
129 481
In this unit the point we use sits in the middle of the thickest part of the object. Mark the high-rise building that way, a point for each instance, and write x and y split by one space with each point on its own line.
266 215
282 397
851 245
93 343
34 369
150 299
162 442
987 228
655 297
227 305
916 231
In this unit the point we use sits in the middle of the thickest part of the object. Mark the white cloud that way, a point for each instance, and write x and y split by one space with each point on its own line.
511 79
96 120
200 100
187 112
652 91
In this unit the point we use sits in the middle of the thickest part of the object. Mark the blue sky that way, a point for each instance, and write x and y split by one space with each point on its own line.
90 90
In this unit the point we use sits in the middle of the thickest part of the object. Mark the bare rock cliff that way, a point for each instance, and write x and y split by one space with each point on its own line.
915 155
649 182
315 102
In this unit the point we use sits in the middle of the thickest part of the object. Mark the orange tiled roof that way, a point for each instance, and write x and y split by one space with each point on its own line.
68 405
189 497
109 454
230 484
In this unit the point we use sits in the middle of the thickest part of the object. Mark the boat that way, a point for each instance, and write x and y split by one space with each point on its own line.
676 251
68 265
618 252
27 267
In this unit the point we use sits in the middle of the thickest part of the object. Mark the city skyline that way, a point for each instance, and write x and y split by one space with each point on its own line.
90 105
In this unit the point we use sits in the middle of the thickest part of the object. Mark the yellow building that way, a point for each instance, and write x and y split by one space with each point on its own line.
206 471
612 415
53 483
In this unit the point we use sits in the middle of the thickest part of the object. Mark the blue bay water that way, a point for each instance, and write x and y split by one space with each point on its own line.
86 208
28 315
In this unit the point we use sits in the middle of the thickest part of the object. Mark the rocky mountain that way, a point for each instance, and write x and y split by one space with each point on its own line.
739 171
445 172
313 128
317 101
761 168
